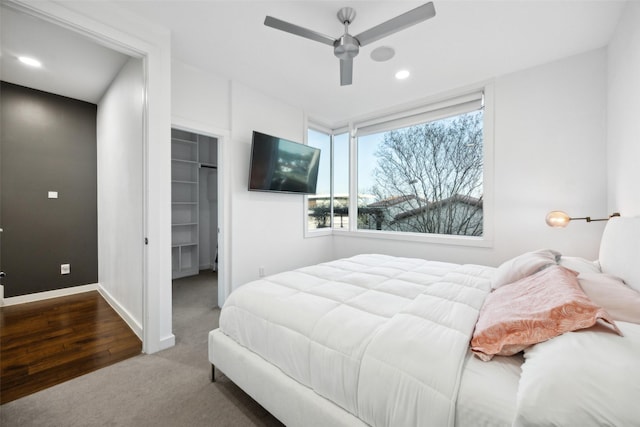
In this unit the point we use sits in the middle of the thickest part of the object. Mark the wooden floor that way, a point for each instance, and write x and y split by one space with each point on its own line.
48 342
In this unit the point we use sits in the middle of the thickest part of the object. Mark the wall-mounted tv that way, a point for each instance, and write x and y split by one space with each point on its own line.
283 166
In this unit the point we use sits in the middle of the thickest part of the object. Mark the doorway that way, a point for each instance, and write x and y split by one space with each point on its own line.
146 306
194 203
194 216
49 152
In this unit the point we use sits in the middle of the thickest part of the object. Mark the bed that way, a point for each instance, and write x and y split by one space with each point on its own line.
375 340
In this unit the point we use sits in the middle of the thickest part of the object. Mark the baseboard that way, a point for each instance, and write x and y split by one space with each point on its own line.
206 267
135 326
39 296
167 342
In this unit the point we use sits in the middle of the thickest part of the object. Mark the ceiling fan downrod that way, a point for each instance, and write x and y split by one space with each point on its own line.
347 46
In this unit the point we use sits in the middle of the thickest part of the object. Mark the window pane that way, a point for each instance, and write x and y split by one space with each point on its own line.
341 181
425 178
318 208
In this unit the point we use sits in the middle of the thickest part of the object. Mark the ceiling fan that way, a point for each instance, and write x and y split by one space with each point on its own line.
346 47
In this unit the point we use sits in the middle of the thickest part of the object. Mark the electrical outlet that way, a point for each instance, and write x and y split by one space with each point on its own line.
65 268
261 271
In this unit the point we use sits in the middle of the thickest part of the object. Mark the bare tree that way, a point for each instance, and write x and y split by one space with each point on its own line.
430 177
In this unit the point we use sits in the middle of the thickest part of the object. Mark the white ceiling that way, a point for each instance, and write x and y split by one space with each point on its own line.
72 65
466 42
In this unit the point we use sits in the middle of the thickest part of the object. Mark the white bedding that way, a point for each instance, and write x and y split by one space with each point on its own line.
384 341
385 338
487 395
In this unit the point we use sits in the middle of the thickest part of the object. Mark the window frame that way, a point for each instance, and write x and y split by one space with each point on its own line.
319 232
399 114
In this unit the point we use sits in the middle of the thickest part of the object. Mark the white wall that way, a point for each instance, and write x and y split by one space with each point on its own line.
549 152
120 192
549 155
266 228
261 229
199 100
623 140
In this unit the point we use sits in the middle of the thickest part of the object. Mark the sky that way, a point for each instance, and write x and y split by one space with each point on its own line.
366 155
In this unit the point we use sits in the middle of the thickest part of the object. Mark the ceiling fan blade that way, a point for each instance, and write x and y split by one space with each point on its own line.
278 24
346 71
407 19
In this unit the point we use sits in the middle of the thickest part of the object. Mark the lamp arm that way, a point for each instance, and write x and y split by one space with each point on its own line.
588 218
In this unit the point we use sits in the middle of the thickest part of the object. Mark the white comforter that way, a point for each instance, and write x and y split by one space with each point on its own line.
383 337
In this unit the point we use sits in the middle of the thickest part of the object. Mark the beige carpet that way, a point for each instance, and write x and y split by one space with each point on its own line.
169 388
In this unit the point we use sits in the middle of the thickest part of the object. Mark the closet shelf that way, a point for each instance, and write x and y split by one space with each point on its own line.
183 140
191 162
208 165
182 245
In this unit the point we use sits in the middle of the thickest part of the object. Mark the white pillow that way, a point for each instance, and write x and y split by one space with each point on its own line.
523 265
579 265
585 378
620 250
622 302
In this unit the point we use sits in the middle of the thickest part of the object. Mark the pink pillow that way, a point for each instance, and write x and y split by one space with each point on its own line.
621 301
532 310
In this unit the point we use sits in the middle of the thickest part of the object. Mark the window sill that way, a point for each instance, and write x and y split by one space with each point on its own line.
318 232
469 241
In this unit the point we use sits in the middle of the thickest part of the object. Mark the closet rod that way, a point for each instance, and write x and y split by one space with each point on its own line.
208 166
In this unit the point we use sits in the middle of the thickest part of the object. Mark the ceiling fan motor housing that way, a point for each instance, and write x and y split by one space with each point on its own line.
346 47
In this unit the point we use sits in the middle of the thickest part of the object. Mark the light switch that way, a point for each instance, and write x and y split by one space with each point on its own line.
53 194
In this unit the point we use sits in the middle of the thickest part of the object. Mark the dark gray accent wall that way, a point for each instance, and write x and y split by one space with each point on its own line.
47 143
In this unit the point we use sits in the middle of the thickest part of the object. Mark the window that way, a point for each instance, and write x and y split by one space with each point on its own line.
425 178
419 172
319 204
341 181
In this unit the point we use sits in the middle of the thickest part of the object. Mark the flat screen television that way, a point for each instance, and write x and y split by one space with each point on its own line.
283 166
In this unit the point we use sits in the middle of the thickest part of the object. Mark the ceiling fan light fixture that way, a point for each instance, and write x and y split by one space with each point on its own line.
382 53
402 74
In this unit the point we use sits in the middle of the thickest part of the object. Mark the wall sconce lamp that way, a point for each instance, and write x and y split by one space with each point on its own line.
561 219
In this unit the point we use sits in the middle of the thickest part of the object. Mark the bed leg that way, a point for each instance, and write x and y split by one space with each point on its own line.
213 373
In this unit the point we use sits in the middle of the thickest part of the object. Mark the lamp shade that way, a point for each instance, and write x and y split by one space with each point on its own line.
557 219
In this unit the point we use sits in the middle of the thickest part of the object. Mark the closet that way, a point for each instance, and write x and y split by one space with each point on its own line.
194 203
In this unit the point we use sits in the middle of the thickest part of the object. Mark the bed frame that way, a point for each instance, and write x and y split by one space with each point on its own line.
274 390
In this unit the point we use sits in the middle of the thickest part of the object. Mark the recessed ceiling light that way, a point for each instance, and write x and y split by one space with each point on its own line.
402 74
382 53
32 62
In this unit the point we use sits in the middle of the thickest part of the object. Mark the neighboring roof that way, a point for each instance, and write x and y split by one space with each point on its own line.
458 198
391 201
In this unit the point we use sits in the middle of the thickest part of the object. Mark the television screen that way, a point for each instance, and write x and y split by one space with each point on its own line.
281 165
